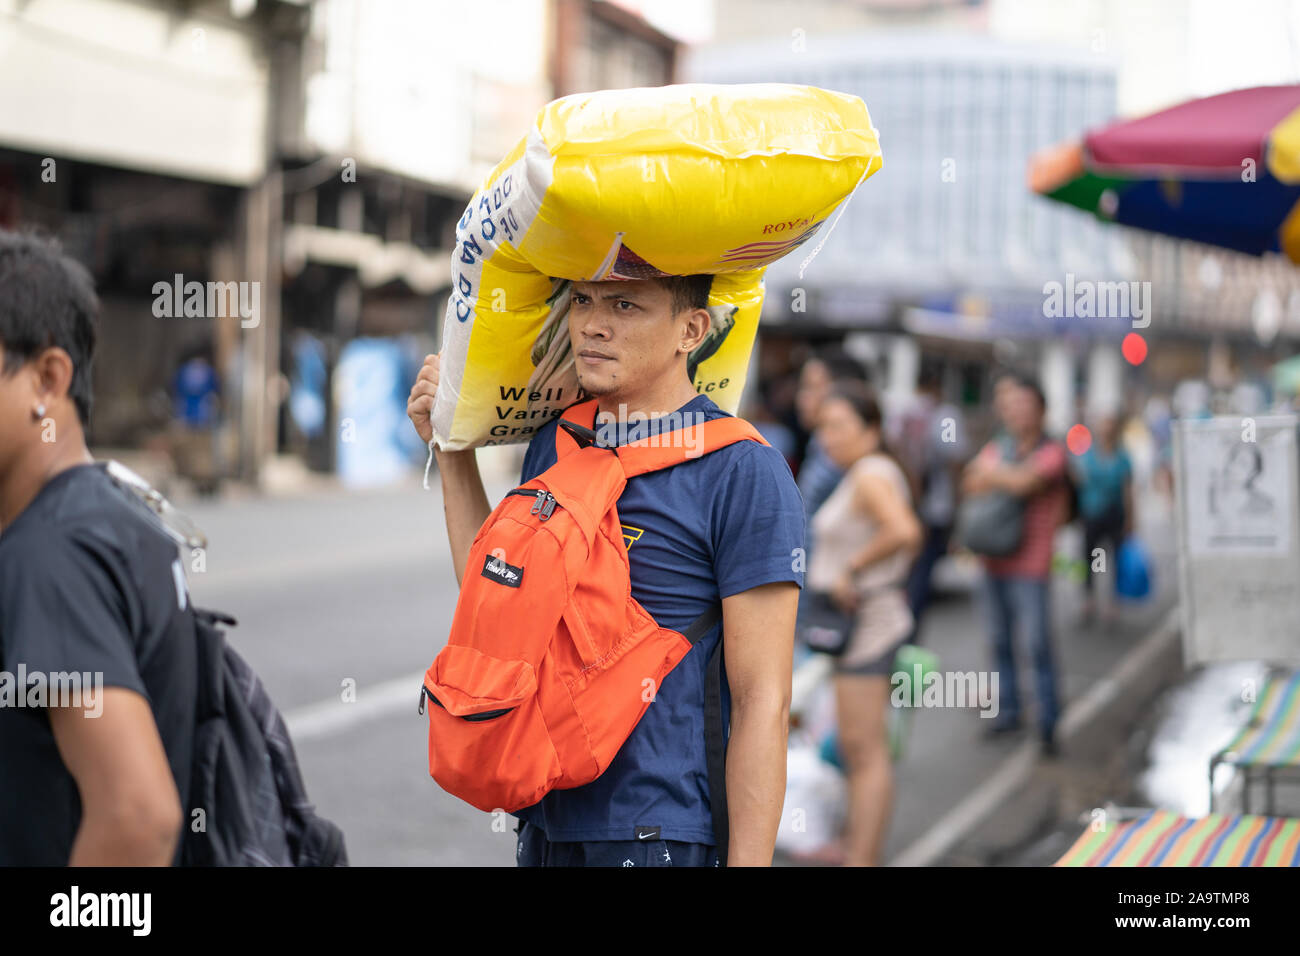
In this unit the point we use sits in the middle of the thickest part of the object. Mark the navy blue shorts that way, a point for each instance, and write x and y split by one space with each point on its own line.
534 849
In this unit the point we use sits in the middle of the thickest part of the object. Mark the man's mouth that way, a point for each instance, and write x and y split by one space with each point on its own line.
592 357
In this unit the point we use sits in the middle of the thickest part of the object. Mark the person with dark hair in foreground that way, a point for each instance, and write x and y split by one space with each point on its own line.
97 651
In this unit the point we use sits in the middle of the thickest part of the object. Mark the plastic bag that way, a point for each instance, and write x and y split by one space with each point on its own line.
1132 571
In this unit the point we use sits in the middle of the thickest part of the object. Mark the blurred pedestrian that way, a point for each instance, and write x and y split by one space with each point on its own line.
1104 476
865 538
1029 465
91 593
196 395
818 474
933 441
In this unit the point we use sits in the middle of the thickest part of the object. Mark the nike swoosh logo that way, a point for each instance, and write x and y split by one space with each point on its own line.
645 836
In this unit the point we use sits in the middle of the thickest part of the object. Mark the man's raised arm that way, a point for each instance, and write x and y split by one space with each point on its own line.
464 502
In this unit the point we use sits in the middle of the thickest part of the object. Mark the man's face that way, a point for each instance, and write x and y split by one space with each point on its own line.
1021 412
814 386
625 336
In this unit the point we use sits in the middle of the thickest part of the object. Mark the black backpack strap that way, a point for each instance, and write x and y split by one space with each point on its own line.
583 436
715 735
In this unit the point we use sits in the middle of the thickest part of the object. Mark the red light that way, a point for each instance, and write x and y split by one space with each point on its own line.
1134 348
1078 439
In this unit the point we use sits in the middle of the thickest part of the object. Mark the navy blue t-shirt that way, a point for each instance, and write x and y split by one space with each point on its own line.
701 531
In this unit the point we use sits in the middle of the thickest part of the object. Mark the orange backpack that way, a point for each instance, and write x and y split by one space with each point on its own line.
551 662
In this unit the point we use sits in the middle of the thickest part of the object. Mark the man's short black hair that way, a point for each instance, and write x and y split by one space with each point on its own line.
1030 384
688 292
47 300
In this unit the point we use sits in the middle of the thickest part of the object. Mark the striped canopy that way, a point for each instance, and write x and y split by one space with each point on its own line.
1163 838
1223 170
1271 737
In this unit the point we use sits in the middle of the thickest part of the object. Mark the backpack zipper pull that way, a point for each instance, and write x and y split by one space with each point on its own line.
423 690
549 506
541 500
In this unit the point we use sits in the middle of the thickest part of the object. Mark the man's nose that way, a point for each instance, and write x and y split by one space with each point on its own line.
593 325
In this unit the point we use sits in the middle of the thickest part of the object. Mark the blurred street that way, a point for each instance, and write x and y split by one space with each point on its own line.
330 585
1050 352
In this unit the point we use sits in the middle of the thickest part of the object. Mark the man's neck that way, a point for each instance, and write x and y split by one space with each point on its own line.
1028 440
649 404
24 482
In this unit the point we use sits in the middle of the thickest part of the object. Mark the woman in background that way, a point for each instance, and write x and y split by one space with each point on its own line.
1104 475
864 539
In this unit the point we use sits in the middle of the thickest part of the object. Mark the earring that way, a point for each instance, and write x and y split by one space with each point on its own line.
40 412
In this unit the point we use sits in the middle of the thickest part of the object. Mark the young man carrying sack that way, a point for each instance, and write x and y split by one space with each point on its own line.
712 527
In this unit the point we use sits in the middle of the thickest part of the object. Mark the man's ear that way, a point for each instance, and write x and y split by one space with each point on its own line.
53 370
696 328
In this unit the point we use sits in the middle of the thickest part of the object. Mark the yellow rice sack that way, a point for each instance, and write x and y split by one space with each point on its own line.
634 184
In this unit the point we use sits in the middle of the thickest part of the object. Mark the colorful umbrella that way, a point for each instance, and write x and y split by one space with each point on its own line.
1223 170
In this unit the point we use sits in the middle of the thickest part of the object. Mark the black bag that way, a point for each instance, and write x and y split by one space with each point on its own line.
823 626
245 774
992 524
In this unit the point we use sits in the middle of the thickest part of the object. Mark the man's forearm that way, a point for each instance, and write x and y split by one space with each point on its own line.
1019 480
756 758
464 504
140 836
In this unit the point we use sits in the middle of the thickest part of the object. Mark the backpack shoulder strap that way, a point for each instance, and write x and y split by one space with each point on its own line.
664 450
576 428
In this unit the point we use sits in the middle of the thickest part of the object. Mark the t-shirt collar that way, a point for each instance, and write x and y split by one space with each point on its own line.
623 432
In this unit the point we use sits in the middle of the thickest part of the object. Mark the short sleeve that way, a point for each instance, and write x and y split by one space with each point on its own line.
757 523
540 454
63 609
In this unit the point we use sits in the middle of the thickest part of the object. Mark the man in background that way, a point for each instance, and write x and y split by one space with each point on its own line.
1031 466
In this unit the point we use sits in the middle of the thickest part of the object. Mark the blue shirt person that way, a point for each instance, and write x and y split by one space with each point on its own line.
1102 476
714 526
722 529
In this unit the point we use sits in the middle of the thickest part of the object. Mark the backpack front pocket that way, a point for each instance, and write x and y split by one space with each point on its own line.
474 686
488 742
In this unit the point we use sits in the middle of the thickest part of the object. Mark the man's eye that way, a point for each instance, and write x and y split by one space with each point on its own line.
623 302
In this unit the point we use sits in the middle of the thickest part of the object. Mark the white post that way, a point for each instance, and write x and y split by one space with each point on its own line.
1057 374
1105 379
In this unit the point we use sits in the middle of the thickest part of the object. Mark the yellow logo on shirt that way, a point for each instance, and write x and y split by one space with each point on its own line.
631 534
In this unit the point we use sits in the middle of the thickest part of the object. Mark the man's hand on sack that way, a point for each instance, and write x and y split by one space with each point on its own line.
419 405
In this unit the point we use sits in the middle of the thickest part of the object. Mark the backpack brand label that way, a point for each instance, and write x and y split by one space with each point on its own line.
494 569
